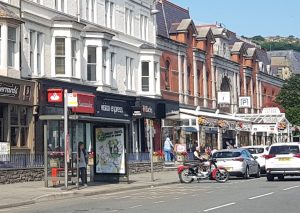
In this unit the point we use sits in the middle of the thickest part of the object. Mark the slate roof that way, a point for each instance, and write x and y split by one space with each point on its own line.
168 15
292 56
202 31
184 24
7 14
237 46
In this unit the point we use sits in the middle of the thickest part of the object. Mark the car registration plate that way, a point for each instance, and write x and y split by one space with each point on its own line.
284 159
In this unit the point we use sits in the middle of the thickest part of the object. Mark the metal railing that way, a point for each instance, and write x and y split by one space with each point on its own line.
139 157
21 161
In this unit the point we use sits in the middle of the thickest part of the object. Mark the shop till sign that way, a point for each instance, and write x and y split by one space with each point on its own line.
9 90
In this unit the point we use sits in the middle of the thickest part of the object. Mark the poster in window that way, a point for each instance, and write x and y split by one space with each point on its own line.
110 152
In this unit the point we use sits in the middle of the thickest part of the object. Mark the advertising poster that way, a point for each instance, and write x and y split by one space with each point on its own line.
110 152
4 151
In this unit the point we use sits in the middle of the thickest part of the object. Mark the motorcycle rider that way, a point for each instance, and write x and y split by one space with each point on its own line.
202 157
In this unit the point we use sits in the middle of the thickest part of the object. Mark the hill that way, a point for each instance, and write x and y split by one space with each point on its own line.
277 42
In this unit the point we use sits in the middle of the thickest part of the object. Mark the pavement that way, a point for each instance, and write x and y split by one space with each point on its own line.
21 194
235 196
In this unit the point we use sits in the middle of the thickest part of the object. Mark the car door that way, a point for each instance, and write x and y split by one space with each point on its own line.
253 164
246 157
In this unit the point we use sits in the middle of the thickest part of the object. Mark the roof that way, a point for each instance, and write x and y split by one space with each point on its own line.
292 56
251 51
7 14
169 14
203 31
237 46
184 24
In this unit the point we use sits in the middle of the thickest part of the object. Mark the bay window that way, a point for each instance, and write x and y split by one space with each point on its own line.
74 59
145 76
60 55
11 46
91 64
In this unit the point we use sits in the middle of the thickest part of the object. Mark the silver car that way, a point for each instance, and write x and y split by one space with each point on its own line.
238 162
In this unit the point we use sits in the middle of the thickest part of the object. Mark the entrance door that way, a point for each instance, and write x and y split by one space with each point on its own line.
1 129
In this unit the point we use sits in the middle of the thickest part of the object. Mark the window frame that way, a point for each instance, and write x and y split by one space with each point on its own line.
145 77
14 42
19 126
74 50
92 64
63 56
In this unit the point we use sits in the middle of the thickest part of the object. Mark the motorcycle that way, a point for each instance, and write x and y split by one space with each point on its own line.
188 172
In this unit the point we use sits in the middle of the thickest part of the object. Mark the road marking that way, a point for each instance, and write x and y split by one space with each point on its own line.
119 198
137 206
293 187
251 198
218 207
113 211
157 202
176 198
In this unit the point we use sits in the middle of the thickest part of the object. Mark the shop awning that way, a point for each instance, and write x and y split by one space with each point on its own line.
189 129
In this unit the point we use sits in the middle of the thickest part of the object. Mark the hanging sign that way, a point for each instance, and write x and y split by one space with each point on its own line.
72 100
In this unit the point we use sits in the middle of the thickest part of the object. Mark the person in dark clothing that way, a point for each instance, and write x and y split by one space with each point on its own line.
82 163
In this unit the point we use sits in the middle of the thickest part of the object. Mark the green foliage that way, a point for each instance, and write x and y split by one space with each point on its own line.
278 43
289 99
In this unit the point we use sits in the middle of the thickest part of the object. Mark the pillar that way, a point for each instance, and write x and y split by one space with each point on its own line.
213 77
99 74
260 96
220 141
245 90
186 80
180 78
235 98
252 93
196 83
68 59
204 85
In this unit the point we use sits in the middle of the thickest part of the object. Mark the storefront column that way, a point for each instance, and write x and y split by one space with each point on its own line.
204 85
237 141
220 141
196 83
251 139
180 78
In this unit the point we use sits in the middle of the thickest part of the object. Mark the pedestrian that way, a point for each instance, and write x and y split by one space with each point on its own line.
82 163
167 149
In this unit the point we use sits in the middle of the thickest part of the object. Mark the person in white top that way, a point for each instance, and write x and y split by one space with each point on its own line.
168 148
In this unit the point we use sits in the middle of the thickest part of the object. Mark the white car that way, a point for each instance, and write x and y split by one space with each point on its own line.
259 152
238 162
282 160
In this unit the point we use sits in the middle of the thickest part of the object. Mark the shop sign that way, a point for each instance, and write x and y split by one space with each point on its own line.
9 90
147 109
112 109
110 151
85 103
72 100
244 102
270 110
55 95
223 97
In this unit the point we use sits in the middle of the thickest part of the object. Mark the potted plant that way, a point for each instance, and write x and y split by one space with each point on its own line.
181 156
158 156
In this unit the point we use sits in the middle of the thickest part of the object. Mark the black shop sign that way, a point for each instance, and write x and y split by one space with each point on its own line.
9 90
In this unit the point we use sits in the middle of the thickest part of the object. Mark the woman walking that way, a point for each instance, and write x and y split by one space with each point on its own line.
167 149
82 163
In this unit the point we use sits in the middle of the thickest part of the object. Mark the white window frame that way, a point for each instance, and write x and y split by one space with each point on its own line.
39 49
92 64
145 76
129 28
59 5
19 125
104 65
32 43
74 49
13 54
113 76
60 56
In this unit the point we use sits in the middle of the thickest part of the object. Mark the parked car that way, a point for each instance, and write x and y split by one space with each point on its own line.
282 160
238 162
259 152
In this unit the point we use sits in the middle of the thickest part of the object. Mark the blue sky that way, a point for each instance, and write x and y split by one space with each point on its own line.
248 17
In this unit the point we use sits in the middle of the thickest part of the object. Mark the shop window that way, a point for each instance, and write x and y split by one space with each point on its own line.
91 64
60 55
18 126
145 76
11 46
188 80
74 59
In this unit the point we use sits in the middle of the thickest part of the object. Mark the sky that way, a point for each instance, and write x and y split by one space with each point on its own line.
248 17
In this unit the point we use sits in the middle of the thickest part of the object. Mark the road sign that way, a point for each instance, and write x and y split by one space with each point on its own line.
72 100
223 97
244 102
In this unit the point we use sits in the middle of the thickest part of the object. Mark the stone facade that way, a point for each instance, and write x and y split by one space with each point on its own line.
8 176
144 167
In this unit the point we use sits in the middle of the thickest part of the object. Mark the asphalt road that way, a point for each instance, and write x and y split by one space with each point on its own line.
238 195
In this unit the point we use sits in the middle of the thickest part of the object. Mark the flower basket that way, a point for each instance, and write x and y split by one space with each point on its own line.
158 156
54 162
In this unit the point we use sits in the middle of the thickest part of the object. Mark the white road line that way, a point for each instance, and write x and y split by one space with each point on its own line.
119 198
137 206
293 187
218 207
252 198
157 202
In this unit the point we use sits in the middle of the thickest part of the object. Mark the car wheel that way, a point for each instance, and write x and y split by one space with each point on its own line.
247 175
270 177
258 173
281 177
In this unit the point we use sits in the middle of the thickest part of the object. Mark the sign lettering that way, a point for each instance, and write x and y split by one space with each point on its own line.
9 90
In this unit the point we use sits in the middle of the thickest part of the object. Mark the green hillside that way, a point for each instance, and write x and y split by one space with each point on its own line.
277 42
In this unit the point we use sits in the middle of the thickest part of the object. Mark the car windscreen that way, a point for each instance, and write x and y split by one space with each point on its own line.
226 154
256 150
284 150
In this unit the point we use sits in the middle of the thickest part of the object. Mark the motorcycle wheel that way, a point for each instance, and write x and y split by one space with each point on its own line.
222 175
185 176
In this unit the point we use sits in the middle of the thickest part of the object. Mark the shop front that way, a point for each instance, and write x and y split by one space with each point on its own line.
17 115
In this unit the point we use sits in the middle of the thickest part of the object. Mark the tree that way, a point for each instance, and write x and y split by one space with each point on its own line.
258 38
289 99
